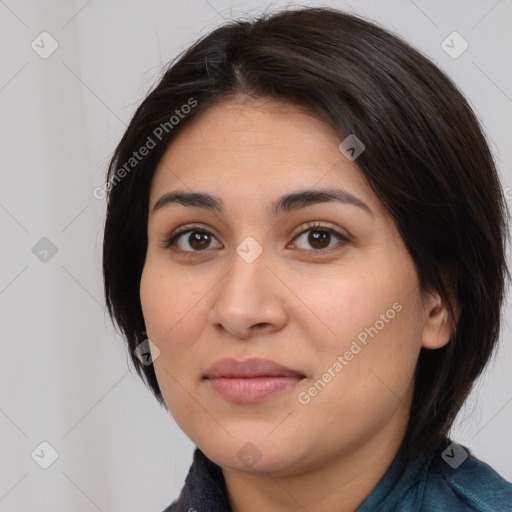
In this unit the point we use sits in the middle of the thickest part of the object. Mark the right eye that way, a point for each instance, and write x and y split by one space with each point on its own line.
198 239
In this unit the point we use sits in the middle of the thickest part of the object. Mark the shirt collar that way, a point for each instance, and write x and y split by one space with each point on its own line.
204 489
398 480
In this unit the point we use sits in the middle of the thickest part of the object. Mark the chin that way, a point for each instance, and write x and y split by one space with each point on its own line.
251 456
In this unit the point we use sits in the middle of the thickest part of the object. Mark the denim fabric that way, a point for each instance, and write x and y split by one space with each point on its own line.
427 484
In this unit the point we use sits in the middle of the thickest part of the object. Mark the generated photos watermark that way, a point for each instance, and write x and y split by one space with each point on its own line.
144 150
357 345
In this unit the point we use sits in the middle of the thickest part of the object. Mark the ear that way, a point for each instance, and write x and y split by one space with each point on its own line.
438 327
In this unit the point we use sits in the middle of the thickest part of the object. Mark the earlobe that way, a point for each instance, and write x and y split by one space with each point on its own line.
438 327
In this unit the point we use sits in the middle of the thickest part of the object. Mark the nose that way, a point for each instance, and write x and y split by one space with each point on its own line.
249 299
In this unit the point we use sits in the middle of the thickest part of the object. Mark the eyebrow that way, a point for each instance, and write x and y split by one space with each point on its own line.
284 204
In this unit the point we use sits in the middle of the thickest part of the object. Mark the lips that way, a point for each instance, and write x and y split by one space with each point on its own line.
250 368
250 381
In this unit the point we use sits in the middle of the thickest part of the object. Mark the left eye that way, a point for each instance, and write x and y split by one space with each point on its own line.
320 237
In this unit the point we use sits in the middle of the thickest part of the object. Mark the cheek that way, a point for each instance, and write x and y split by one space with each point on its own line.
348 307
171 305
366 377
174 314
373 325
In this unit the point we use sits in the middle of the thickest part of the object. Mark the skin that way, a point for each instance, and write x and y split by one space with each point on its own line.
299 304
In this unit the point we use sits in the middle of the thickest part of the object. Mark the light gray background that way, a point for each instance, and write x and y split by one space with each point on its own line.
65 376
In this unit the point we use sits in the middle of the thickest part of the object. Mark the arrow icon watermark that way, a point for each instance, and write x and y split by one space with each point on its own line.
351 147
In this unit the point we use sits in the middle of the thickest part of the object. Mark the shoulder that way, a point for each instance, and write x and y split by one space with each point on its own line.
458 478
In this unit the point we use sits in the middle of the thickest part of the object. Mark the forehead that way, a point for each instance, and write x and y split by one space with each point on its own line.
264 147
264 125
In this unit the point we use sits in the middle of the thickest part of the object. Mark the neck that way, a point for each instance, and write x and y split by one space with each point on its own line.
340 483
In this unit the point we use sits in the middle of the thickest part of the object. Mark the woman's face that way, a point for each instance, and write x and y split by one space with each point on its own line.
324 288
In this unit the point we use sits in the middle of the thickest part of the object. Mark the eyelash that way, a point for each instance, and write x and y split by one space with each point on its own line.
311 226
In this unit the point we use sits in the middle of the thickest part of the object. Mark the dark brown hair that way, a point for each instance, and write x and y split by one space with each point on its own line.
426 159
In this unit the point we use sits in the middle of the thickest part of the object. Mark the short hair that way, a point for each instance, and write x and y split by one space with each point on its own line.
426 158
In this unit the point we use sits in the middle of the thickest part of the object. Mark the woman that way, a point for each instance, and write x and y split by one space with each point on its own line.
305 251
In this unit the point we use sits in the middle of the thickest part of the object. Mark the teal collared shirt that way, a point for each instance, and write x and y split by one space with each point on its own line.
447 479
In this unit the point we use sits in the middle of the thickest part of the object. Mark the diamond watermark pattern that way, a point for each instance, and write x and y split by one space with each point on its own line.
351 147
454 455
147 352
249 454
454 45
44 455
44 250
44 45
249 249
